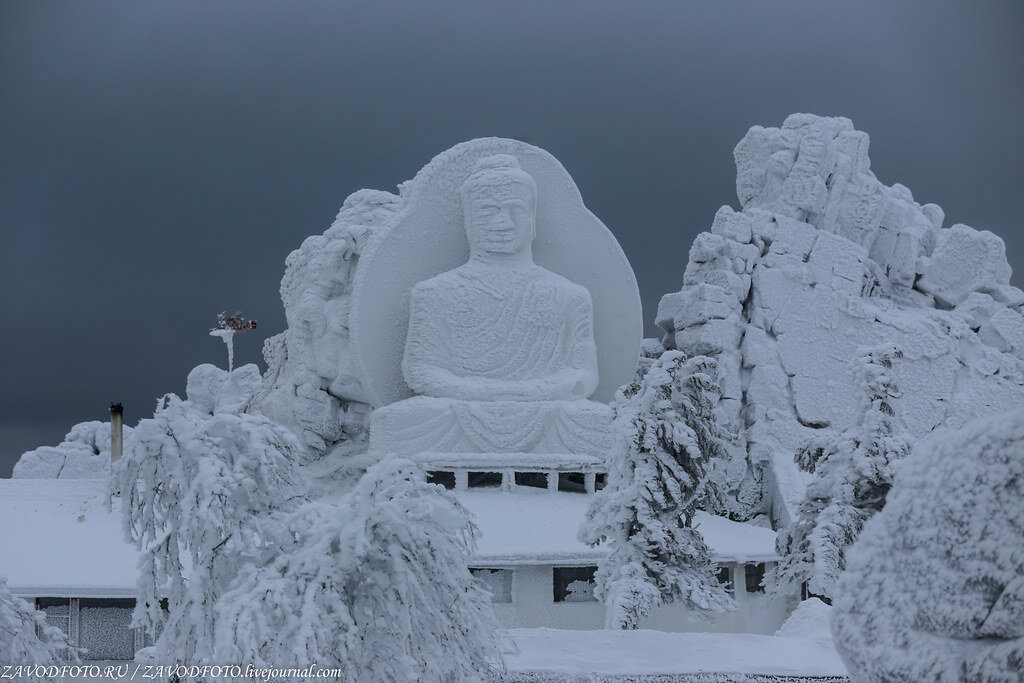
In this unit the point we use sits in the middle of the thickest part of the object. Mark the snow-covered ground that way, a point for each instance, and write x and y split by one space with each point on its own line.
550 654
644 652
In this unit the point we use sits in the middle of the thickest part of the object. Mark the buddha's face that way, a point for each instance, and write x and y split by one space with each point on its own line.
500 219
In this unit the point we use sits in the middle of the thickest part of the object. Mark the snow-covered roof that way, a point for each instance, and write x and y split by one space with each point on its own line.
59 540
529 526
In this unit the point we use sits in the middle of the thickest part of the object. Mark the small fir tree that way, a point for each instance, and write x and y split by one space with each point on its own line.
667 435
26 638
853 472
374 582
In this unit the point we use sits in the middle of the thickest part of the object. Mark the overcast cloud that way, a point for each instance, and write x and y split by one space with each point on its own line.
158 161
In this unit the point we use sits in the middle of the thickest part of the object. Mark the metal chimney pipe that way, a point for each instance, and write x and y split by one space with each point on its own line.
116 431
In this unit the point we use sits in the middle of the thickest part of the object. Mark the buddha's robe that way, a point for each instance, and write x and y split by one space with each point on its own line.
503 359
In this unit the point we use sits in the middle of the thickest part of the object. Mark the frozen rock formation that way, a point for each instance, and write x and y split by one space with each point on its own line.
84 454
311 384
213 390
500 350
934 589
824 259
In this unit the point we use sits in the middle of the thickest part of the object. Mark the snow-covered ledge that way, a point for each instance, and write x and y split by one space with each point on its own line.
560 462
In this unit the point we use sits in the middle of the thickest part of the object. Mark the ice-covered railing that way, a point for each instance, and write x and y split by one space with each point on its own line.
572 473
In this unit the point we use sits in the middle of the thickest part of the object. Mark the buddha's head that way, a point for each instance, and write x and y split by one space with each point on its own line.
499 201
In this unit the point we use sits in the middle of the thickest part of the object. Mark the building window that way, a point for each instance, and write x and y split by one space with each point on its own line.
104 628
58 613
537 480
101 626
725 578
755 577
600 479
574 584
479 480
498 582
445 479
573 482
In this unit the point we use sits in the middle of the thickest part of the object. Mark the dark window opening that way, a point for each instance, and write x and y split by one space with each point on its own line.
476 480
600 479
498 582
755 577
574 584
54 605
445 479
537 480
725 577
572 482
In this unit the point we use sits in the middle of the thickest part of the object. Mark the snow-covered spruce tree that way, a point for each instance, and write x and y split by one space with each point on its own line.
199 492
934 587
657 479
374 582
853 472
25 637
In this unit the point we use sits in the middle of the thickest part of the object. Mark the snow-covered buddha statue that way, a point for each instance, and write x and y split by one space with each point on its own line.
499 350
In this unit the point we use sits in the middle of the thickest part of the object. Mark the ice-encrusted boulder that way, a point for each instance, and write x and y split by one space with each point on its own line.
83 454
311 384
214 390
934 587
824 259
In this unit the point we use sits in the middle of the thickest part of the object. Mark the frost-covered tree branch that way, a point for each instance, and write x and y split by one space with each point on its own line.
200 492
374 582
26 638
657 480
853 472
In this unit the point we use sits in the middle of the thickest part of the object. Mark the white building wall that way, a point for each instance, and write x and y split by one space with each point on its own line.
533 606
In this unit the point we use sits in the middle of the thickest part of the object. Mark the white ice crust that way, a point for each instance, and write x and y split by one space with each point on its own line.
823 260
427 236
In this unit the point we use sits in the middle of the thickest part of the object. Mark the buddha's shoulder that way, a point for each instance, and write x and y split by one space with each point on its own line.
438 287
553 281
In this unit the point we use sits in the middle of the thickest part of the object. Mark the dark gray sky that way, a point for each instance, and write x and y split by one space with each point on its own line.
159 160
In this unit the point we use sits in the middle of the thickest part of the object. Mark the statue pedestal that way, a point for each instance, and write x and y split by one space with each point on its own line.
425 423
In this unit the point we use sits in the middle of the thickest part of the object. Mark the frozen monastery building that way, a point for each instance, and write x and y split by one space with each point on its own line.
479 322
